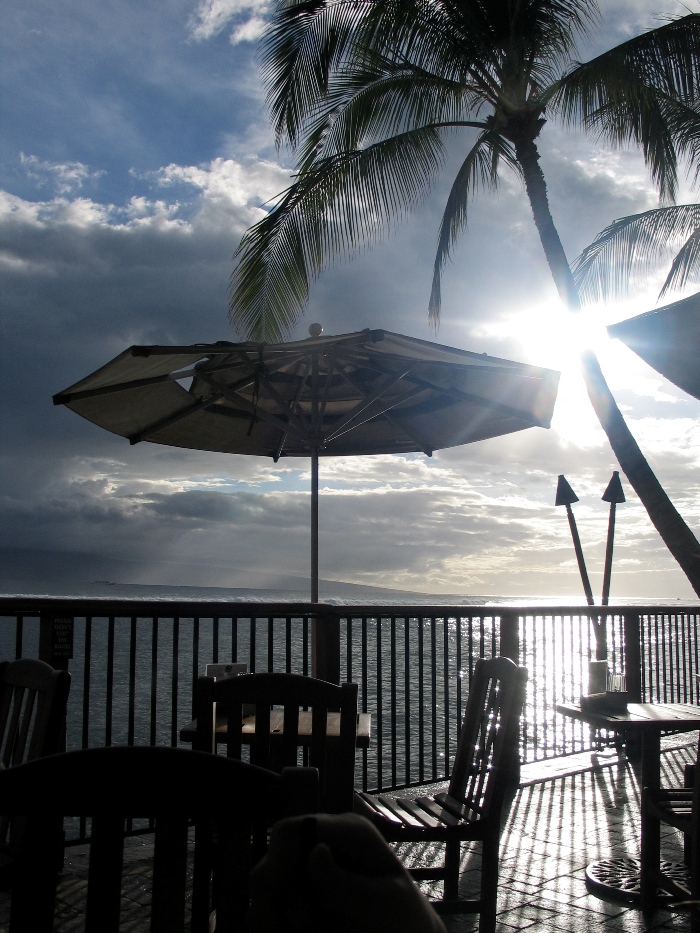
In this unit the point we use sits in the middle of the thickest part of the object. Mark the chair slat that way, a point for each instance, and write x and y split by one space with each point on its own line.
170 873
105 872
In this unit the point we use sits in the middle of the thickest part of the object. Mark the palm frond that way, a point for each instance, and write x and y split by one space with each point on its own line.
394 102
627 251
343 203
479 169
686 264
684 122
299 49
624 94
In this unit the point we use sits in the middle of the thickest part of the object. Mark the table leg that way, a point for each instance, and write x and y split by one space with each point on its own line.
651 758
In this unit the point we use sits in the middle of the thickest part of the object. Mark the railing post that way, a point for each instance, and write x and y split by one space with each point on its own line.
325 647
633 657
510 636
633 674
510 648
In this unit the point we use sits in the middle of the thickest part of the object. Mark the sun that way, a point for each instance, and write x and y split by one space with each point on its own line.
549 336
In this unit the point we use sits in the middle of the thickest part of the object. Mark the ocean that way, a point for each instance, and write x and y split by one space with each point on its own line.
330 592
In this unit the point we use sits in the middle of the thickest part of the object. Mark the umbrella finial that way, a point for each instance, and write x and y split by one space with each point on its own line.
315 330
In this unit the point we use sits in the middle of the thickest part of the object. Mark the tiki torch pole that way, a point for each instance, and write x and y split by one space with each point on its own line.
613 494
566 496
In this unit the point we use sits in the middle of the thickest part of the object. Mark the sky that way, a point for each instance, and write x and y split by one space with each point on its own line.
135 152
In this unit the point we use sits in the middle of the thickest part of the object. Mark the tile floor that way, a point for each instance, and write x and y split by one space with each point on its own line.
561 819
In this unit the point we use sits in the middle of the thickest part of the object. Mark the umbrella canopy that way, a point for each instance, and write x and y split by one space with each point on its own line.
668 339
371 392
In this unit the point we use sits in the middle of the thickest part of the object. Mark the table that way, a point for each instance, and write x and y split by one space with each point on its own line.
648 721
364 728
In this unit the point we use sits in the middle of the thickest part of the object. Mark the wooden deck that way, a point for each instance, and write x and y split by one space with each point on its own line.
565 814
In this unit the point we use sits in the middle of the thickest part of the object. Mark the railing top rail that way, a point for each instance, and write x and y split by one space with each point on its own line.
122 606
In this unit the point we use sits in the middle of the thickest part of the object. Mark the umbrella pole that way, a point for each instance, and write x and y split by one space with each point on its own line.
314 525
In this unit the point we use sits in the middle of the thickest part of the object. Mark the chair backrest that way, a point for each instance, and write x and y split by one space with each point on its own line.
33 701
206 808
275 738
487 749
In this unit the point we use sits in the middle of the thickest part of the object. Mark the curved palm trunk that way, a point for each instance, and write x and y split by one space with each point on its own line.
677 537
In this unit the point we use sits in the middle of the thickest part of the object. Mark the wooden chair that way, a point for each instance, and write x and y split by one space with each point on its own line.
678 807
278 744
191 797
485 765
33 701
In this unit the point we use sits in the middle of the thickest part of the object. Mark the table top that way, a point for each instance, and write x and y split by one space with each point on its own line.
639 717
364 727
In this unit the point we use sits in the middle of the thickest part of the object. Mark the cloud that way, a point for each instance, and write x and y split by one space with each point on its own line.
226 200
250 31
213 16
65 177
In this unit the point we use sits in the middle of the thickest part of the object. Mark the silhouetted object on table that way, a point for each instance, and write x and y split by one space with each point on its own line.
187 793
285 697
33 701
470 810
335 874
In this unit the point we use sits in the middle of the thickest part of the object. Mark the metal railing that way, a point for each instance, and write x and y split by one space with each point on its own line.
134 665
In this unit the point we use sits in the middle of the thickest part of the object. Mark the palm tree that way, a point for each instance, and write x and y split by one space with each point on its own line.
367 93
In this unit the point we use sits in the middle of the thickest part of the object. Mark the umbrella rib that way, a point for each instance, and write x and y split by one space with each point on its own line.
302 429
367 402
270 364
259 412
379 365
173 419
302 383
458 395
425 448
64 398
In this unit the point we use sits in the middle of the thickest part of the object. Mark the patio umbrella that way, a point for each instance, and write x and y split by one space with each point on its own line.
668 339
371 392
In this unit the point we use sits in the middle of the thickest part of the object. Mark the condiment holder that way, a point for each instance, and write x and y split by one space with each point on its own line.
607 691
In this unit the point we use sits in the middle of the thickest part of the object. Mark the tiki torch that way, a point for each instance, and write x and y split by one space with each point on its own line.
613 494
566 496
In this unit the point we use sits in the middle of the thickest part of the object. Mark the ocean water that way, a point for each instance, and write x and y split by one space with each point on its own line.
330 592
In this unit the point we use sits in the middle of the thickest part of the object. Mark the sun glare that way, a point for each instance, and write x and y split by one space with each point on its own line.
548 336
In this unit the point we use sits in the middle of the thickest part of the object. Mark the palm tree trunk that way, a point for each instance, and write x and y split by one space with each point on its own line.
676 535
